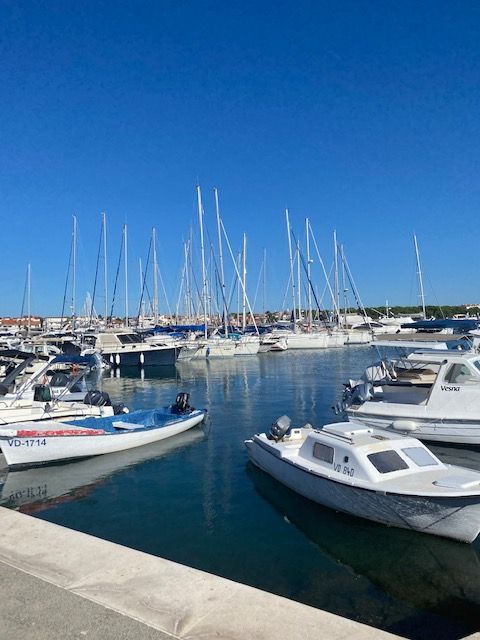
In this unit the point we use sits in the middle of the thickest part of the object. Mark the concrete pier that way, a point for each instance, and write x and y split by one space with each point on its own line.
56 583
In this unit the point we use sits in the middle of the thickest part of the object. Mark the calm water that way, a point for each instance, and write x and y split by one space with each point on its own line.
195 499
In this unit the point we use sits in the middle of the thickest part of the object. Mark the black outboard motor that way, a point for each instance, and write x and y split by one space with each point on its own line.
97 399
3 389
181 405
279 428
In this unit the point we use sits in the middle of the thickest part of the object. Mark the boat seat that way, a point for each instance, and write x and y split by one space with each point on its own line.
128 426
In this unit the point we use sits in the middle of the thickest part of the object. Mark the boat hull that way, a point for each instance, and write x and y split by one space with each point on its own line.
40 449
430 430
307 341
166 356
451 517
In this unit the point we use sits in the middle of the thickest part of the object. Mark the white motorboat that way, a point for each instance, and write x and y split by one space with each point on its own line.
31 443
128 349
434 395
36 399
361 471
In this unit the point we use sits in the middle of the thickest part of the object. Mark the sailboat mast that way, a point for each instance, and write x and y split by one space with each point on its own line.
264 282
222 273
104 225
419 274
292 276
155 276
74 269
142 303
29 291
202 254
344 288
309 274
336 302
299 288
125 249
244 294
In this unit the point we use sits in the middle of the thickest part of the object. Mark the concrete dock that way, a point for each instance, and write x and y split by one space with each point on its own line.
56 583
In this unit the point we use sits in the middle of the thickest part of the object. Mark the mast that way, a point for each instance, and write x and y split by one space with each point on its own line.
264 282
419 275
292 277
74 269
125 248
202 253
104 225
336 301
220 256
344 288
244 287
309 274
142 303
29 288
155 276
299 288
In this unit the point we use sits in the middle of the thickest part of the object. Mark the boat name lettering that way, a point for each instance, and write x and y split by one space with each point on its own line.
347 471
34 442
444 388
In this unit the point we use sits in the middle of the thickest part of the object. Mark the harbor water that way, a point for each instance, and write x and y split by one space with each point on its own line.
195 499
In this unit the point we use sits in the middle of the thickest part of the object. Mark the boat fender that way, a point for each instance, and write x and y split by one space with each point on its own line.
142 358
111 359
404 425
117 359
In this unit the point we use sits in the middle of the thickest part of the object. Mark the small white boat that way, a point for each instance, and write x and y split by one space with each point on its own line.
364 472
31 443
432 394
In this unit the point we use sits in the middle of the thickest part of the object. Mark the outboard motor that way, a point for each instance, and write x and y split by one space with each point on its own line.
280 428
97 399
181 405
3 389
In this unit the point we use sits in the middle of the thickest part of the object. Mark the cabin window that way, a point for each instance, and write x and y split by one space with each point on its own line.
420 456
457 374
128 338
387 461
323 452
477 364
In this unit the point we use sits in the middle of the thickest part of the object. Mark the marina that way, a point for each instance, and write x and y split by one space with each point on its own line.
240 320
198 501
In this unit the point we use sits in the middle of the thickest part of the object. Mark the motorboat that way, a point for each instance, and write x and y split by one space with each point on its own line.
34 399
362 471
129 349
35 488
433 394
31 443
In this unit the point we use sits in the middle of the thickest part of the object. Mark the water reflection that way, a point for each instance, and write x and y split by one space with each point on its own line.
39 488
425 573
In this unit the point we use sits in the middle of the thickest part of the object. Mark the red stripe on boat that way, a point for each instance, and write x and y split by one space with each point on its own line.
23 433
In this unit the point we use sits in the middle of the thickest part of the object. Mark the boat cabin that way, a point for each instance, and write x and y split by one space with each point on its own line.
358 452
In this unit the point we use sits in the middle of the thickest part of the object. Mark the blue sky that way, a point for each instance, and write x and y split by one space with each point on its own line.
363 116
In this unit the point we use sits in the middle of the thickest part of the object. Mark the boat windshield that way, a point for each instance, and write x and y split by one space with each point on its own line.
129 338
387 461
458 373
420 456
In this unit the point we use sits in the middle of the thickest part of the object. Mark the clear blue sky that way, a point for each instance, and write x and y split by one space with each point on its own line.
363 116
